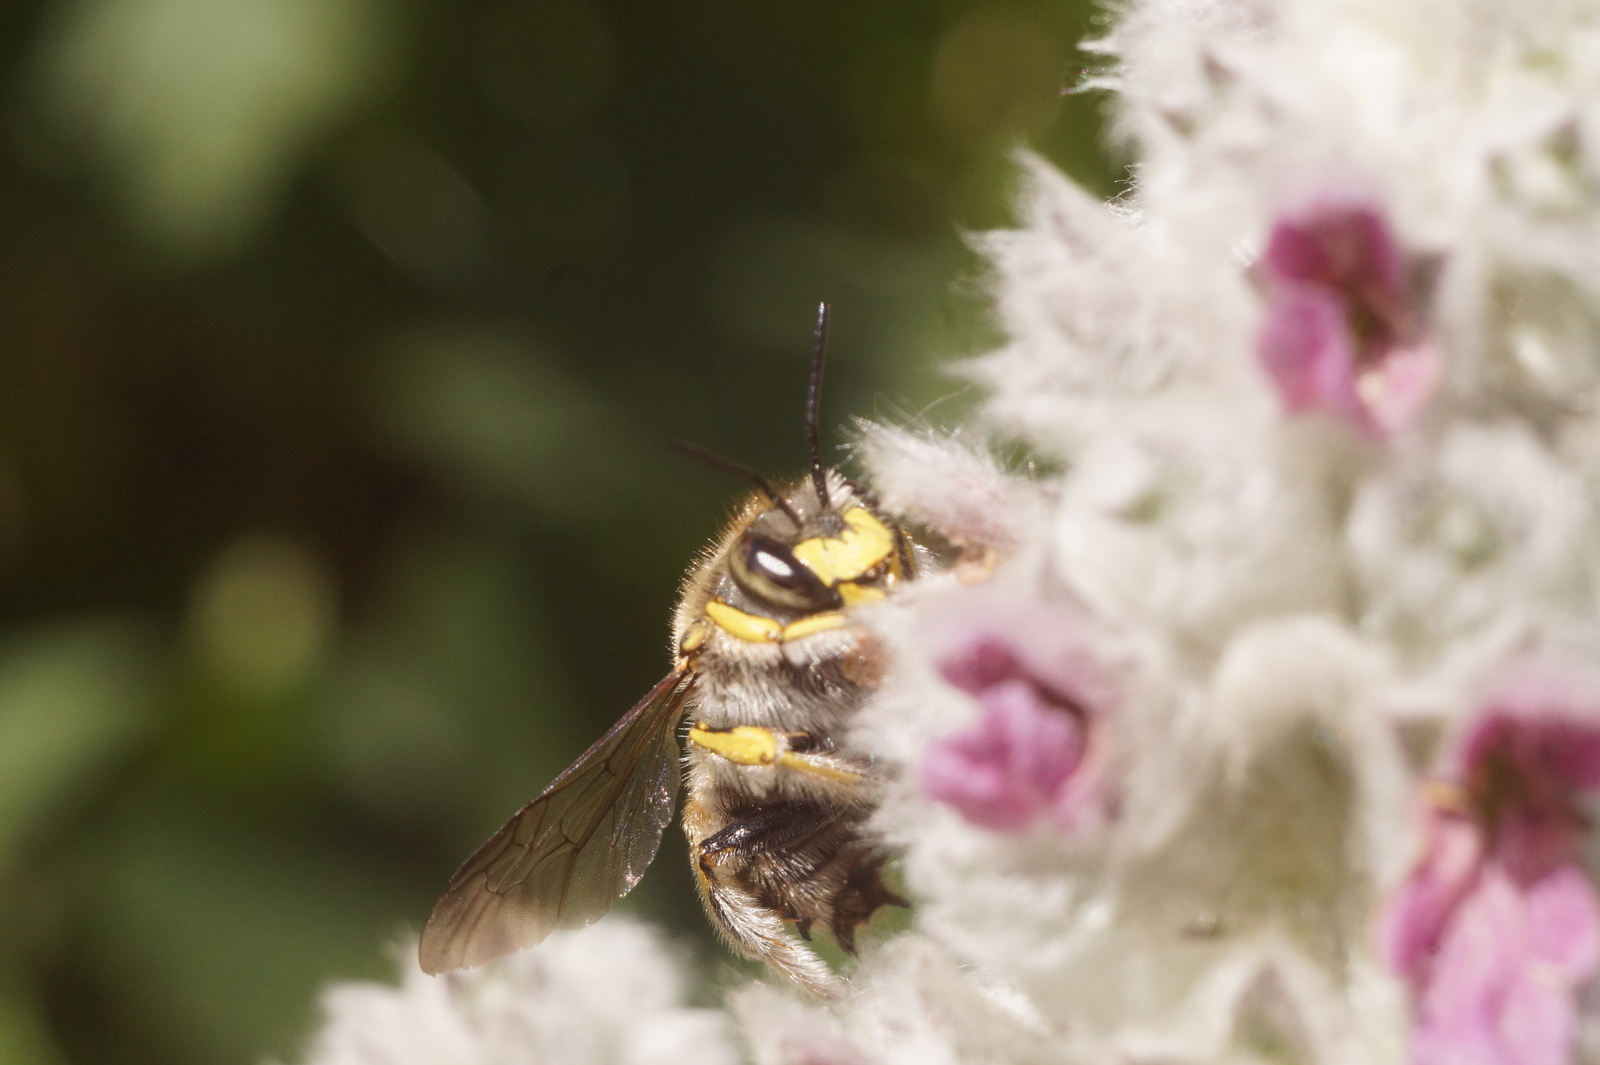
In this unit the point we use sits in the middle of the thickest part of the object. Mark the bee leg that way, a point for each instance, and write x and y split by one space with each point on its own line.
863 892
808 753
753 745
753 929
751 834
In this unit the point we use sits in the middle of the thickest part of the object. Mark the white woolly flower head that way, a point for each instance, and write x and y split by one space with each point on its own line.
1148 533
1323 386
1463 537
611 994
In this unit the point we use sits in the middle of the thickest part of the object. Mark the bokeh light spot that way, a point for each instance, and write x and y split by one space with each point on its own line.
262 616
194 113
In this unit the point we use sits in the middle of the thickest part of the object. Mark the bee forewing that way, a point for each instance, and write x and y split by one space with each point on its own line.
568 854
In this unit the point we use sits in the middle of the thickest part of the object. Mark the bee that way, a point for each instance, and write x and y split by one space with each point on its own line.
772 665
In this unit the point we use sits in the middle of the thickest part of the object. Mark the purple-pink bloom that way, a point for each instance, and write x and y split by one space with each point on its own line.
1342 334
1505 973
1498 925
1036 749
1413 923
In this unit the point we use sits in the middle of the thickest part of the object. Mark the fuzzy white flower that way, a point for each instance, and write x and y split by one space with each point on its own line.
1259 732
608 995
1454 540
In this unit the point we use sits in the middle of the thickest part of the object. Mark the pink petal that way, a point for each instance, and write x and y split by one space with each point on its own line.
1501 988
1535 834
1456 1047
1040 694
1542 723
1004 771
1044 744
1306 349
1410 927
1478 958
994 640
1564 923
968 771
1340 334
1336 243
1526 758
1536 1021
985 658
1395 390
1515 947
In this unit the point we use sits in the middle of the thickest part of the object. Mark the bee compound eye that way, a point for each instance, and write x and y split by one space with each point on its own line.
768 570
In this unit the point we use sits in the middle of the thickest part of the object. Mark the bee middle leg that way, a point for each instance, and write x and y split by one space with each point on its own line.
802 752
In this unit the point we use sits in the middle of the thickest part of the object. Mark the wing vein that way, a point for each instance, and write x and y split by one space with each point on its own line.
566 856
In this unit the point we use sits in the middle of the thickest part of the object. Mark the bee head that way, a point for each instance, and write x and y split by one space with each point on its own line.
813 555
768 571
763 562
796 560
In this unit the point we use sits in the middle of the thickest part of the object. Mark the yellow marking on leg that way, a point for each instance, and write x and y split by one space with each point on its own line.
856 594
693 638
823 622
738 624
742 744
815 767
865 543
753 745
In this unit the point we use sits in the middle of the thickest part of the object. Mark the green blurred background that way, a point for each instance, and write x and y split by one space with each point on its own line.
339 341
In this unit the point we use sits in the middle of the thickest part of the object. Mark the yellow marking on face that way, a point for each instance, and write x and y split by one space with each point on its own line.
823 622
856 594
865 543
742 626
742 744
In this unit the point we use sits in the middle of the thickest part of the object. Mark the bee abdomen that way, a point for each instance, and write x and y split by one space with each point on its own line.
793 860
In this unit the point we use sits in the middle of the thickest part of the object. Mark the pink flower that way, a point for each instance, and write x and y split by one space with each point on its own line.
1035 749
1505 972
1498 925
1414 922
1342 334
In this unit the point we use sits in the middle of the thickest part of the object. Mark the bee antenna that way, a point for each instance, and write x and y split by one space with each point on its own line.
819 358
738 469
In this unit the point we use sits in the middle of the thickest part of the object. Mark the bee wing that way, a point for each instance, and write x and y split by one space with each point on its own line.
562 860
